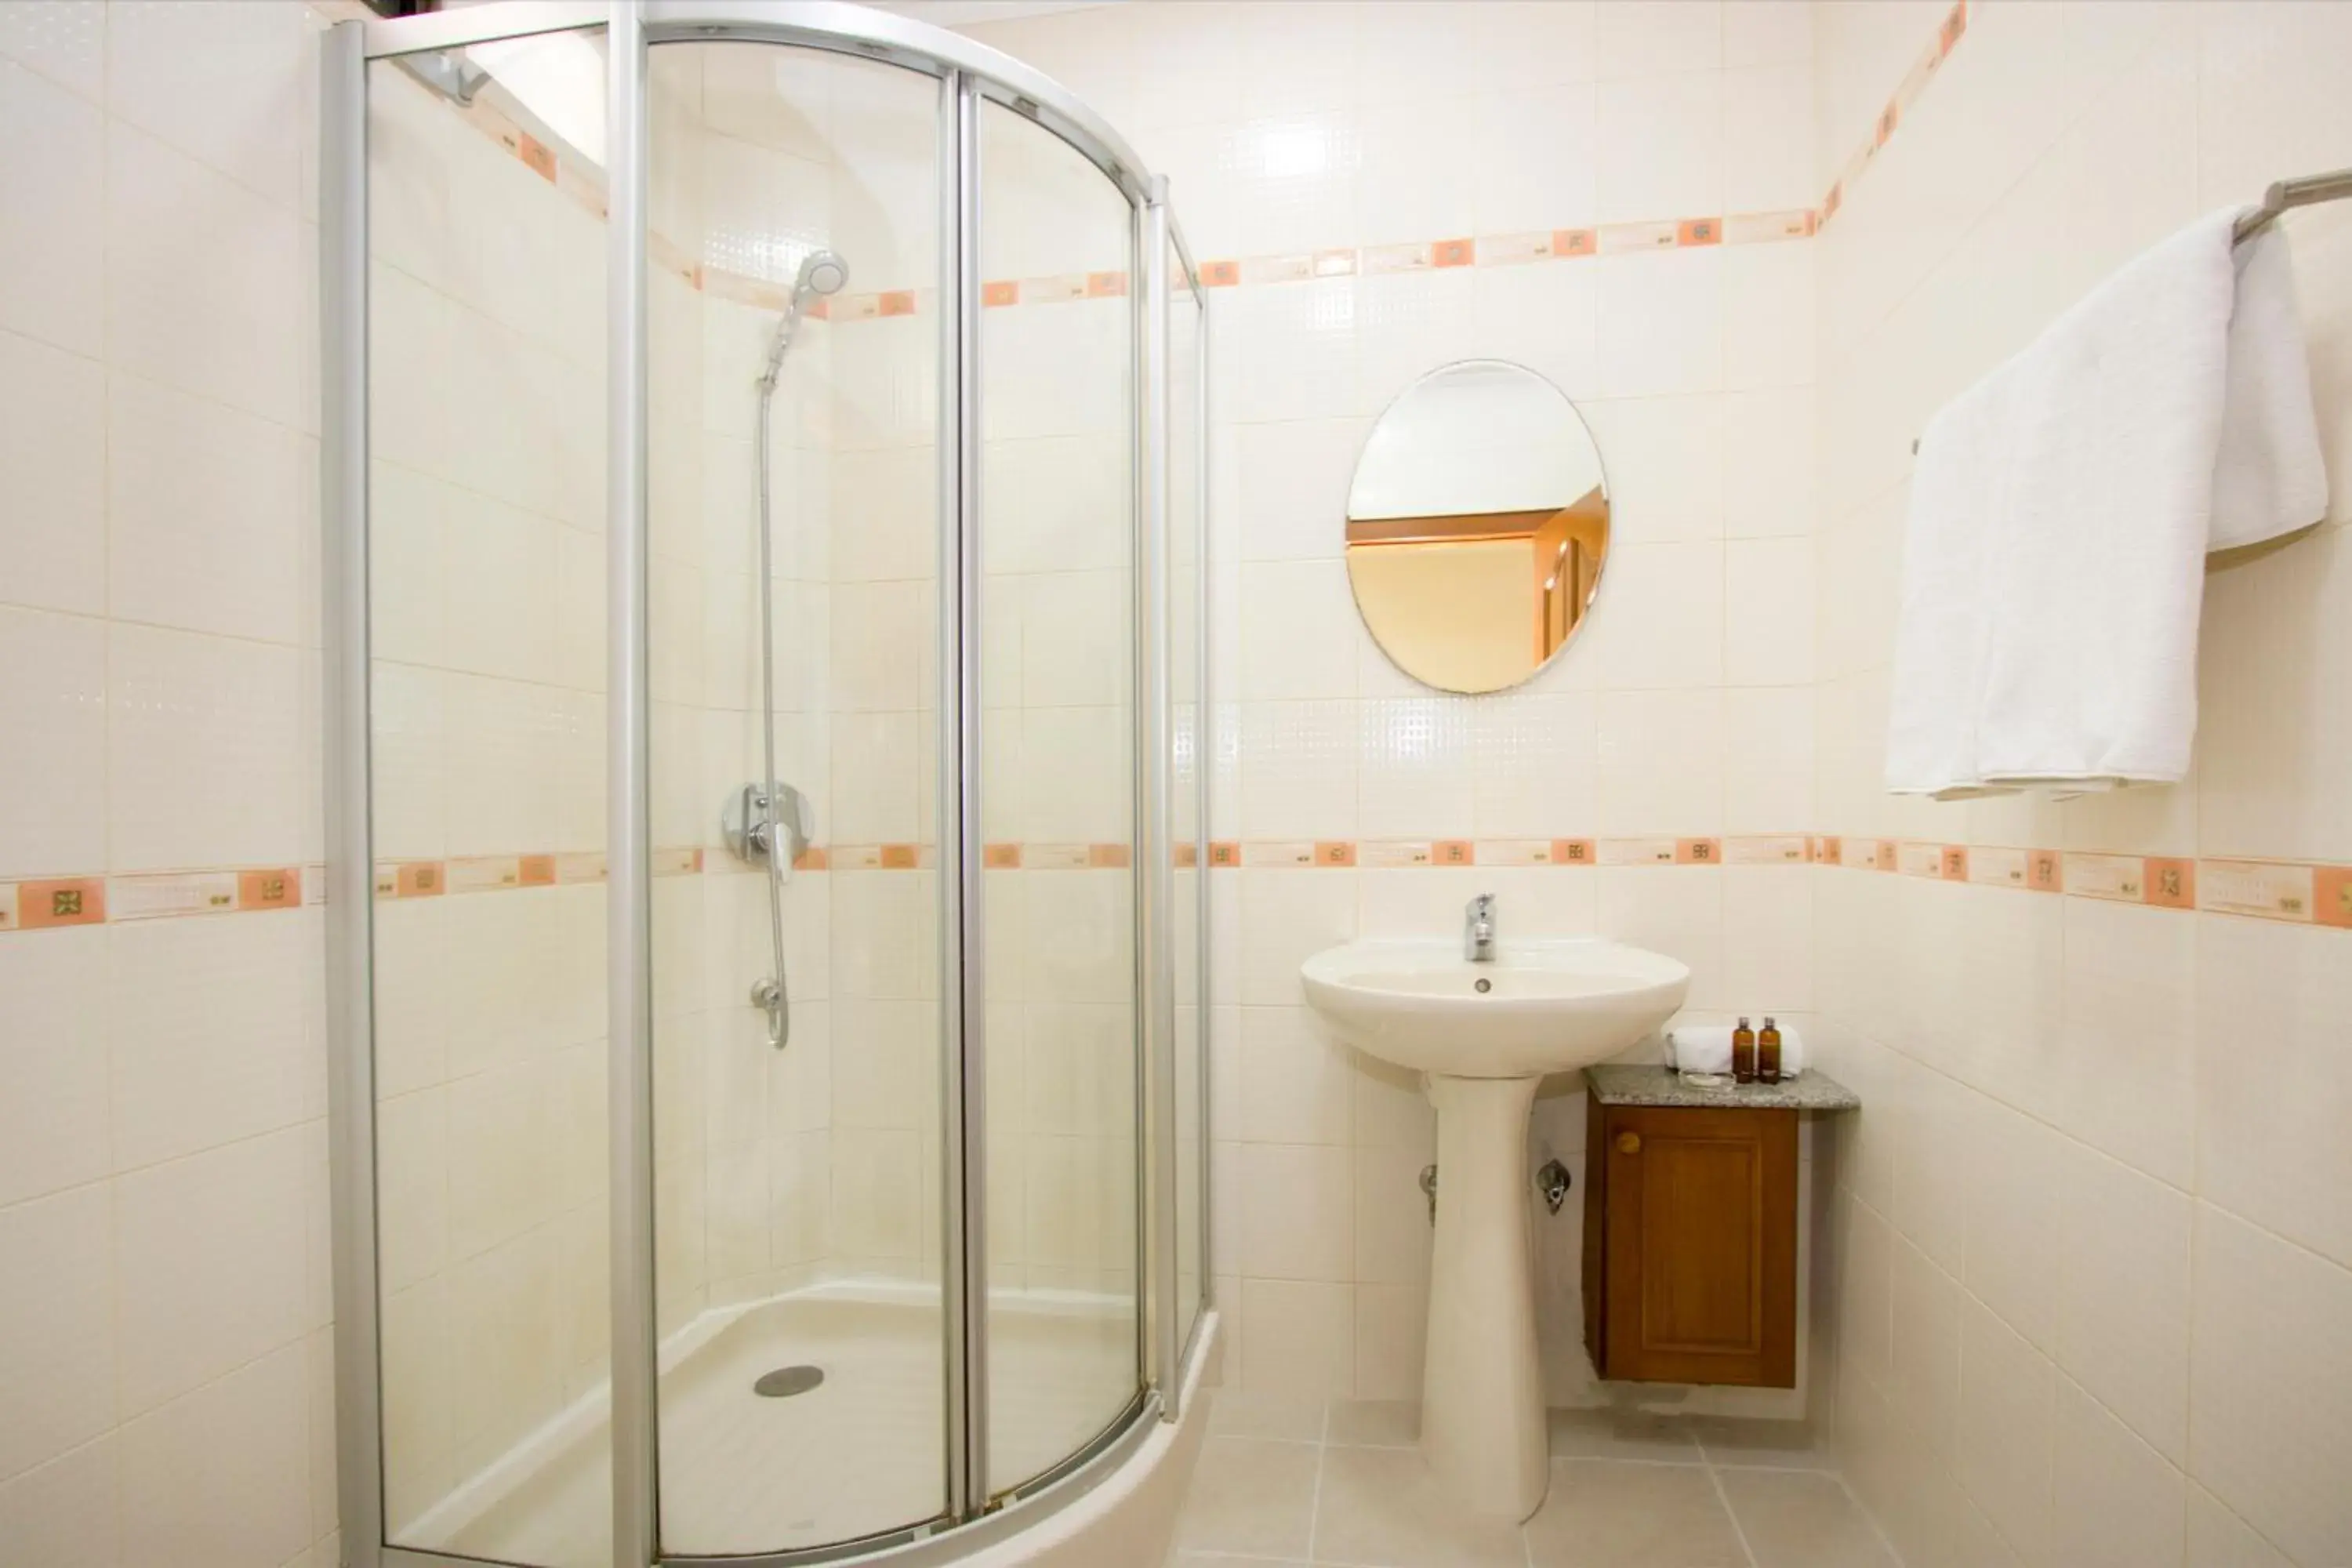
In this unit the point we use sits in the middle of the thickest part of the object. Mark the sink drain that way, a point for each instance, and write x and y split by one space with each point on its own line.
787 1380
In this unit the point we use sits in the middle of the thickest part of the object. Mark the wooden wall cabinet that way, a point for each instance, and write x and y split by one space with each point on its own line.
1690 1244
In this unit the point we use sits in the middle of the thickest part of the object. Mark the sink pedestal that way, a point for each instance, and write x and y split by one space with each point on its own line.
1482 1402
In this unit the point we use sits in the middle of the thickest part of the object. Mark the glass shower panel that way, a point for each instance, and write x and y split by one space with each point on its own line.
1186 610
1059 629
485 610
793 345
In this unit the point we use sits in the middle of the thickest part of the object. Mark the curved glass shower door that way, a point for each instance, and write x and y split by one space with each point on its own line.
1059 794
793 535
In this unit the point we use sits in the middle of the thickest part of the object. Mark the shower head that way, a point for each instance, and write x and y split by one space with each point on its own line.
822 272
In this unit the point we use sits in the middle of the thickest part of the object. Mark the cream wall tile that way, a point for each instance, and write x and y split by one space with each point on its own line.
1294 1083
1664 460
214 1031
1294 480
210 1264
1767 316
231 724
1662 322
1768 757
1675 910
56 1302
1536 43
1933 1119
1298 1222
53 1064
1923 1384
2016 1236
2116 1503
206 1478
1768 130
2125 1273
52 477
2268 1379
1409 324
2008 1391
1393 1234
1291 351
1389 1108
1076 633
1865 1304
1768 938
1415 772
1298 770
2274 767
1546 318
52 257
2220 1539
1535 762
413 1186
1661 762
1391 1341
1775 33
2269 997
1769 612
1305 60
1659 619
1537 159
205 286
2127 1077
1660 146
1412 153
225 84
64 1512
63 39
211 524
1299 631
52 815
1297 1338
1286 915
1633 38
1770 480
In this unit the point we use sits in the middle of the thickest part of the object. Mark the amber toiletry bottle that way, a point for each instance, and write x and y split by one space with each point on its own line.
1767 1053
1743 1053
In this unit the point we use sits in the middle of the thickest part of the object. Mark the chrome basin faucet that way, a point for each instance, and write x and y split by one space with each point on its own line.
1478 929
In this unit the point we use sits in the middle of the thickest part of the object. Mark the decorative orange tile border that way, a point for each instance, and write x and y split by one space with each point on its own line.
2298 891
2303 892
1897 109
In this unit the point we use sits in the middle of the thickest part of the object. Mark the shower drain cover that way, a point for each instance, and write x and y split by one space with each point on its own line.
787 1380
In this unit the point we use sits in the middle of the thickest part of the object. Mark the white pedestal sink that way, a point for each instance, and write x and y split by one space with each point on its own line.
1482 1036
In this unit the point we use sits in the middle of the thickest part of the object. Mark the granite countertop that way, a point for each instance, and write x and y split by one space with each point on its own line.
1627 1085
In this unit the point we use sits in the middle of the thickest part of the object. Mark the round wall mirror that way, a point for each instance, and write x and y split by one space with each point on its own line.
1478 526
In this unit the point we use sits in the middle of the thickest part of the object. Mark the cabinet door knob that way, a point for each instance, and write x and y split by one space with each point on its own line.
1628 1143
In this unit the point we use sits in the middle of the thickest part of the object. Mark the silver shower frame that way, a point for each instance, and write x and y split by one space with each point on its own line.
969 74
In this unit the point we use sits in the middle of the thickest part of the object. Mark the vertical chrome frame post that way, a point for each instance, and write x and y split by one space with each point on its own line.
351 871
962 967
1155 929
1204 756
628 822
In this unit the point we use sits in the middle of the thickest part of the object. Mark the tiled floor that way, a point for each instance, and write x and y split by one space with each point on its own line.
1291 1483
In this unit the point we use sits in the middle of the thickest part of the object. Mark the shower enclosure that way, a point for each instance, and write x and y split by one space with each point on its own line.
764 473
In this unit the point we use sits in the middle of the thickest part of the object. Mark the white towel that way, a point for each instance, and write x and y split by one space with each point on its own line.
1707 1047
2060 512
